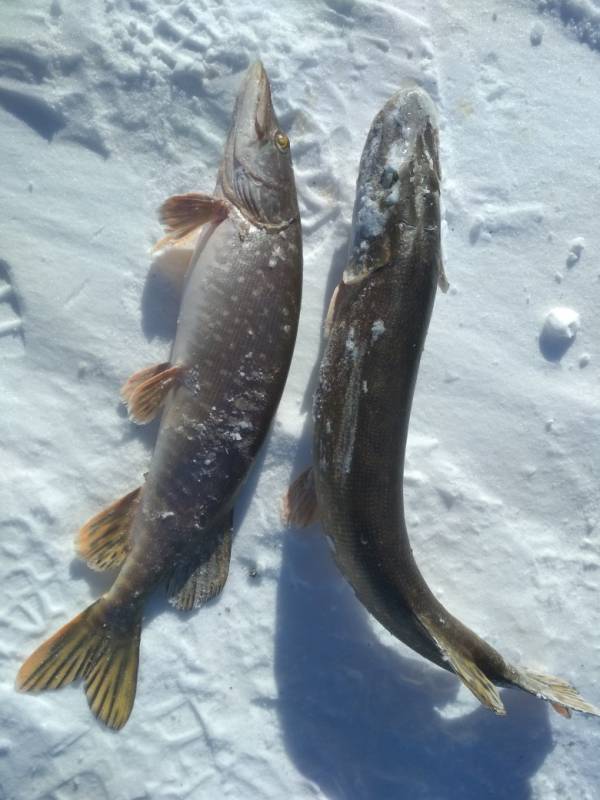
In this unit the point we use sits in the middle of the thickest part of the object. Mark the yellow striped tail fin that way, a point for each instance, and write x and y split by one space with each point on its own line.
100 645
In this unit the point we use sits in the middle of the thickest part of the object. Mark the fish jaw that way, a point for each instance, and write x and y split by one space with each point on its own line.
256 173
397 192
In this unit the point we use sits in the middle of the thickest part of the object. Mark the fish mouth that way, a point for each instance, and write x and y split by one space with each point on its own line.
253 113
404 125
398 183
242 178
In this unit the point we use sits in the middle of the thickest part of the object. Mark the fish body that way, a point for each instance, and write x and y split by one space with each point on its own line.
235 336
376 329
218 394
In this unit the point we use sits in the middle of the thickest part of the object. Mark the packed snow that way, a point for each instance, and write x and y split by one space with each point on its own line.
284 687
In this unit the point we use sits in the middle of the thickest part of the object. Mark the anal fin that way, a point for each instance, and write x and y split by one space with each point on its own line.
182 214
299 506
203 573
146 391
103 542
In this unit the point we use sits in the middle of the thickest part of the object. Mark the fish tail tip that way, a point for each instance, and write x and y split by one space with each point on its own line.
59 660
98 645
562 696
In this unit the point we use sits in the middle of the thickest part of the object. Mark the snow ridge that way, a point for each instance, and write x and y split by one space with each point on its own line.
580 16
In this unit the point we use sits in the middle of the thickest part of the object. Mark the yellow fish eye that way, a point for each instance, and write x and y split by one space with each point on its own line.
282 141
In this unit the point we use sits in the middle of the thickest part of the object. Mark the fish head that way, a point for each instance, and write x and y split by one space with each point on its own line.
398 187
256 172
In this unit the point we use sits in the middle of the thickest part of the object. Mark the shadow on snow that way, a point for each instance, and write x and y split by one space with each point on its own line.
364 722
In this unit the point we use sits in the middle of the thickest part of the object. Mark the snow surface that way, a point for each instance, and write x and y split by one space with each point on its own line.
284 687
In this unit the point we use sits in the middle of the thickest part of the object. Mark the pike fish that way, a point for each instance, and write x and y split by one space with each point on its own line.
377 323
218 394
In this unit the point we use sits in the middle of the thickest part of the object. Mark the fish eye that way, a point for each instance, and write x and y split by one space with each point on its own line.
282 141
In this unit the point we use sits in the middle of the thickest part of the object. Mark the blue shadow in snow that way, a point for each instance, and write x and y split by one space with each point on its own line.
363 723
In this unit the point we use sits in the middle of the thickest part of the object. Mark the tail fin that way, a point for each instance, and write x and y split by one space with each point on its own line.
560 694
101 645
555 690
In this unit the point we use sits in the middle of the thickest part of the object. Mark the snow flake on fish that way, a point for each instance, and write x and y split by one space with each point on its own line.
351 348
276 256
401 149
371 220
377 329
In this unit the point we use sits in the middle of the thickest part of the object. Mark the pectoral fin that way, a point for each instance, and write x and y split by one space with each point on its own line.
170 265
299 506
202 575
104 539
182 214
331 311
146 390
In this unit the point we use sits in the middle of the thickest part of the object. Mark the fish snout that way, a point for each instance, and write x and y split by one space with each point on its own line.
253 116
256 173
399 181
403 138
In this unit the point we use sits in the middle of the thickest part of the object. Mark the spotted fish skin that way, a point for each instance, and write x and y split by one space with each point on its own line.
218 394
235 336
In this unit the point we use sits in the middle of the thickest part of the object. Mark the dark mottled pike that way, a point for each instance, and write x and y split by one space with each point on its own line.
377 326
219 392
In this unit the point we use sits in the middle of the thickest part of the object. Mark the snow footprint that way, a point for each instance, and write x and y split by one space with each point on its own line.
12 336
